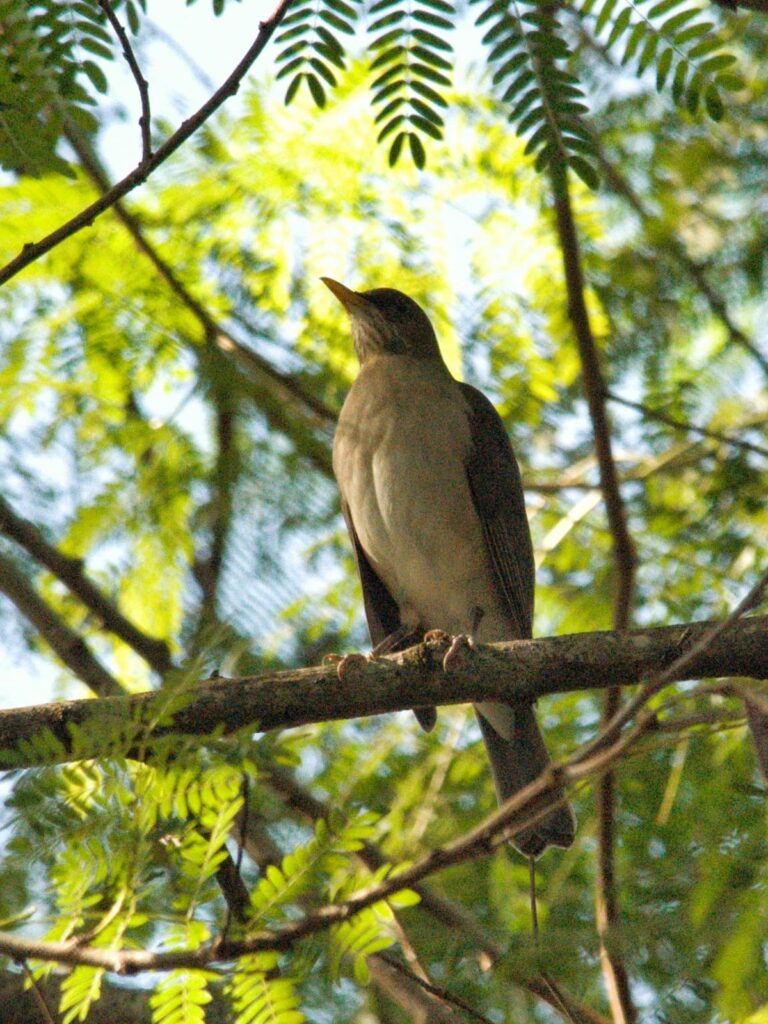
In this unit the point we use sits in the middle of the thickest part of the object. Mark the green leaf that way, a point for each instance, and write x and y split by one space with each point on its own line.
396 147
417 150
427 126
316 89
713 102
663 67
585 171
605 14
428 93
619 26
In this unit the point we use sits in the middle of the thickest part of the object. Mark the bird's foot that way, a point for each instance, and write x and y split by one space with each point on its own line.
437 636
455 655
346 663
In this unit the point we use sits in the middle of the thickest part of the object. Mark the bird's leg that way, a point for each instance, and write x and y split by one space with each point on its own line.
532 891
461 642
389 643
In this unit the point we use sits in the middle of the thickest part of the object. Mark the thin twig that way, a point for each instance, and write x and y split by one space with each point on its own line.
677 250
141 83
672 421
34 250
275 392
452 916
40 999
443 994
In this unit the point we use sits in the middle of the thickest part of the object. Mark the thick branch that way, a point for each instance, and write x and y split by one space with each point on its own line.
514 671
34 250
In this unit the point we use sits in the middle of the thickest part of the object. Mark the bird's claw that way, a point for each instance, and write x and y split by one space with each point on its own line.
454 656
349 662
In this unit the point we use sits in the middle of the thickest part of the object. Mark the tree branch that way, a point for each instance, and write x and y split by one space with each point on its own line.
672 421
64 641
452 916
141 82
513 671
625 560
70 572
518 812
677 250
34 250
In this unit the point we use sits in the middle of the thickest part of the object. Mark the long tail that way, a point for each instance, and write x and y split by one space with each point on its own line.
518 756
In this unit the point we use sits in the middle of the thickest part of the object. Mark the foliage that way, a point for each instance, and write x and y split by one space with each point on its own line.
194 493
48 74
411 67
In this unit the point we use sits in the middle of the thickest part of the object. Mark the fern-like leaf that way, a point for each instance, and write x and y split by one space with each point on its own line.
259 996
674 38
546 103
311 47
306 866
180 998
411 64
358 938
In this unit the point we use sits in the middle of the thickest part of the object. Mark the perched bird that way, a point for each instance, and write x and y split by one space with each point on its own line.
433 501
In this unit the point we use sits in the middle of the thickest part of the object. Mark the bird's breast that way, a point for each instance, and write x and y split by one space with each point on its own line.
400 454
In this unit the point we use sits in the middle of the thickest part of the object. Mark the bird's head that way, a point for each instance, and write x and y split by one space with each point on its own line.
386 321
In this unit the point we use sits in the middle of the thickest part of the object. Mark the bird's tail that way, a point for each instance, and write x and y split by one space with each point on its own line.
518 756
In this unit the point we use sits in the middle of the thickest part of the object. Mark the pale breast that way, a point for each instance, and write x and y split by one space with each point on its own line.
399 457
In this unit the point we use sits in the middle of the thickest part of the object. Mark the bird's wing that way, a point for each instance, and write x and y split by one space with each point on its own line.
381 611
497 492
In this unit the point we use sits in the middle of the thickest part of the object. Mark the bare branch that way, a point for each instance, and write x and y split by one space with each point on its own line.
141 83
513 671
34 250
625 559
68 645
70 572
677 250
662 417
595 392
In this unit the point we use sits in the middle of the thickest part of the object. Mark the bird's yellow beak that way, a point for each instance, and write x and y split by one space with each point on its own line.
350 300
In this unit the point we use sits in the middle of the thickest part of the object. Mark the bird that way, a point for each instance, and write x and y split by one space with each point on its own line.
433 502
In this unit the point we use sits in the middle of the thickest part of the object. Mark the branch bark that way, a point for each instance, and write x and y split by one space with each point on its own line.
513 671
